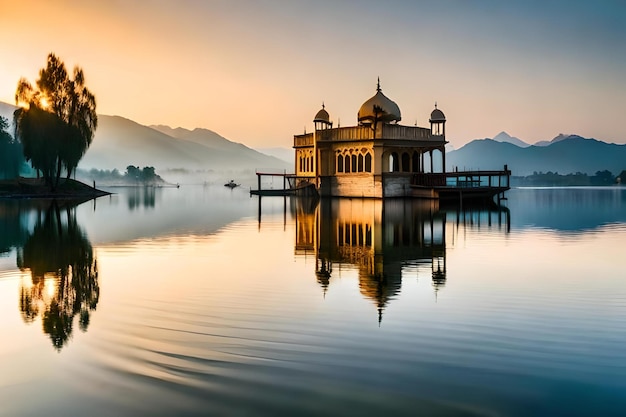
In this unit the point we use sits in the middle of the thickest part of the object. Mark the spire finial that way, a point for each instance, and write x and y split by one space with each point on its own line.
435 104
323 107
378 85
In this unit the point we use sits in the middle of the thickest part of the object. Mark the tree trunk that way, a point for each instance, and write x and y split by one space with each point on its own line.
58 174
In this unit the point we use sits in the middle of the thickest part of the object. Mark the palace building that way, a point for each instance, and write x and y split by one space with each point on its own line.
381 158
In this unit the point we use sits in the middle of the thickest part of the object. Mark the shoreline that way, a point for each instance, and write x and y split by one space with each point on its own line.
34 188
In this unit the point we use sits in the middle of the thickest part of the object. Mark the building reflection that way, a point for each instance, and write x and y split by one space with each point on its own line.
383 238
63 270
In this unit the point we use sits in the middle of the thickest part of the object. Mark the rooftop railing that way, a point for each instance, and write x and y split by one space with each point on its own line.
383 131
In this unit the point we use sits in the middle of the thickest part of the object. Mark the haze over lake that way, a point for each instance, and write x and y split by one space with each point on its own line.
192 301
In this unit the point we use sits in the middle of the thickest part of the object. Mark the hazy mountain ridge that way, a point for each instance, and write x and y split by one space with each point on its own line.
6 110
120 142
284 154
558 138
227 148
566 155
505 137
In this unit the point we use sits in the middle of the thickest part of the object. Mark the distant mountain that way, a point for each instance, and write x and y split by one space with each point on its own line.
229 152
567 155
284 154
506 138
6 110
558 138
120 142
200 136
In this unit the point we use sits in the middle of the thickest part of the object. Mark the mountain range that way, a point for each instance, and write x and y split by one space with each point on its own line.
120 142
506 138
564 154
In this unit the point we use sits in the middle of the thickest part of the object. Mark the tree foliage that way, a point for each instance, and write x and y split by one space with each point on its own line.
11 159
554 179
56 120
11 153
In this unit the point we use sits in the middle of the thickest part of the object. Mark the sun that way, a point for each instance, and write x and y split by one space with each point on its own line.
43 102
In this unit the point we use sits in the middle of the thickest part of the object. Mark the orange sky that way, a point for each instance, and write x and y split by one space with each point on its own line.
257 71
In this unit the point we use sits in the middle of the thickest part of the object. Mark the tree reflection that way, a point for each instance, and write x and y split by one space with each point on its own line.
141 197
13 231
64 274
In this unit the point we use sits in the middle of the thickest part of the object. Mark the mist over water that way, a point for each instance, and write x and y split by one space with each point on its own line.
204 301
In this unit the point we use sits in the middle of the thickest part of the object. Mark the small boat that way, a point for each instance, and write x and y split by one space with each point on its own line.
231 184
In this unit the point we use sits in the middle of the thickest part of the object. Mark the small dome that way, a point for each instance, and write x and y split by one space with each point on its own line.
322 116
379 107
437 115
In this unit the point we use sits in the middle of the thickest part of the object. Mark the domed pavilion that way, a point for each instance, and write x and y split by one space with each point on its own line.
380 158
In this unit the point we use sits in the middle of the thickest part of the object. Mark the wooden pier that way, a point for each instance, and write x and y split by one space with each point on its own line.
464 185
291 185
451 186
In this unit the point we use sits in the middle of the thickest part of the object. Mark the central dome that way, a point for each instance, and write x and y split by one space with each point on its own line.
379 108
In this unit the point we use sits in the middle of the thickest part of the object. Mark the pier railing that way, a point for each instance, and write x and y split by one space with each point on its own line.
464 179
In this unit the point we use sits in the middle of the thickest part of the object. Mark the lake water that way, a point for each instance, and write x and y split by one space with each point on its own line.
204 301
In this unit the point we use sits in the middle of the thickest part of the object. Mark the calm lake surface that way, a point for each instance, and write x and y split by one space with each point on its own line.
168 302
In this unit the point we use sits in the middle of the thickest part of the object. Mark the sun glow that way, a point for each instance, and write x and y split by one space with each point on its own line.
43 102
50 285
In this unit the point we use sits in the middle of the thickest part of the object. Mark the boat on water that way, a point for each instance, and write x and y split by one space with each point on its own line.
231 184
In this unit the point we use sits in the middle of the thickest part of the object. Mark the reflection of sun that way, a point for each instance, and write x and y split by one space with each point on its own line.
50 286
27 282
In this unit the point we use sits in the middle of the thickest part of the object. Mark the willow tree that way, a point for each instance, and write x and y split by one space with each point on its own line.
56 120
11 158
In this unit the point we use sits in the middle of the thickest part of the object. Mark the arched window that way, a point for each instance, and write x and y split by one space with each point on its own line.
406 162
416 162
360 163
354 164
339 163
393 162
347 165
368 162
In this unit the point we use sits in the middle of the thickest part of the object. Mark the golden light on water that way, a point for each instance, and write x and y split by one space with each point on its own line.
50 287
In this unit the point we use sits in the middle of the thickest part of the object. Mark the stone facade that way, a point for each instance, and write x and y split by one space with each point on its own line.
378 158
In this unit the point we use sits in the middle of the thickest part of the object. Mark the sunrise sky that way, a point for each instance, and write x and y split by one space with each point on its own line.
257 71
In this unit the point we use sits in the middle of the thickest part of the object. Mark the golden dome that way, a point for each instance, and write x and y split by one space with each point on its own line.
322 115
379 108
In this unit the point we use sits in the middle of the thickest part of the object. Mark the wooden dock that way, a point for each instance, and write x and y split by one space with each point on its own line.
291 185
464 185
456 185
